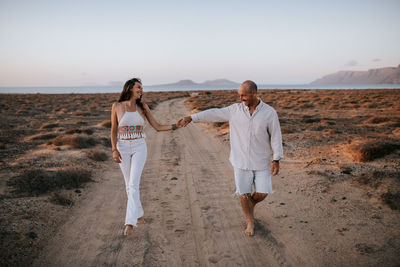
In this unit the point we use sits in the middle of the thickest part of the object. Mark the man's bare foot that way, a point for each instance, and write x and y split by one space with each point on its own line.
128 230
141 220
249 229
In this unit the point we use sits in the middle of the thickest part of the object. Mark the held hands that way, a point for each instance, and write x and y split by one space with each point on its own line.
184 121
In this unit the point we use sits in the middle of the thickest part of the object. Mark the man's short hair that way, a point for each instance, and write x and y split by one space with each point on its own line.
252 86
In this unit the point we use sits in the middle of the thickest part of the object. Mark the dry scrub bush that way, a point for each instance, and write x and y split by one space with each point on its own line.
75 130
48 125
330 131
45 136
286 130
105 141
22 112
305 105
75 141
61 199
376 120
81 113
310 119
97 155
368 150
92 107
39 181
106 124
393 200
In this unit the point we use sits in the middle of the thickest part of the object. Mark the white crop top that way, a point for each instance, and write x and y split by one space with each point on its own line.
131 125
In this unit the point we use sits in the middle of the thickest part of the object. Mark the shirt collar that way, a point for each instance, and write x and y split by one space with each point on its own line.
259 106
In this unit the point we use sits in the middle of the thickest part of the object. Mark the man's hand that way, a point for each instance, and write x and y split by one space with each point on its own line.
275 168
184 121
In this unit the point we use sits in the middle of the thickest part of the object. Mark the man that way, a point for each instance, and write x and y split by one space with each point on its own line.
255 136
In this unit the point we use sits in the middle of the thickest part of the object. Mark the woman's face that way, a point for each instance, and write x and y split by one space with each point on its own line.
137 90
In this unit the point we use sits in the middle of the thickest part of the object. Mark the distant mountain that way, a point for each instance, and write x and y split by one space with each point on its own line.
220 82
217 82
182 83
389 75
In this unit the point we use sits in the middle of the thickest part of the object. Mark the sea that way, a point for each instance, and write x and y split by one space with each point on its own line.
165 88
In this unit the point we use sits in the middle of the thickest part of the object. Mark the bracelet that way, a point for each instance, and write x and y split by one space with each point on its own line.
114 150
173 127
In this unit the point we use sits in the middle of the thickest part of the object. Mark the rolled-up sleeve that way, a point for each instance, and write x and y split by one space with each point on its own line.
212 115
276 137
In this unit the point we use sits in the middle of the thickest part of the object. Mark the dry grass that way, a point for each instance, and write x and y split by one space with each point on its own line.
97 155
39 181
368 150
81 113
49 125
74 141
106 124
62 199
392 199
75 130
43 136
376 120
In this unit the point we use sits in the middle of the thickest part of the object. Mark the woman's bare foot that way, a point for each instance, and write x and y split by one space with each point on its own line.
249 229
128 230
141 220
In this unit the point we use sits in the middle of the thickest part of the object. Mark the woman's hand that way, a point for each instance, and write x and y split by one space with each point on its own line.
117 156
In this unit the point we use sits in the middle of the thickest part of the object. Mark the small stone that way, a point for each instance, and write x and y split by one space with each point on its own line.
282 203
174 178
77 191
344 198
32 235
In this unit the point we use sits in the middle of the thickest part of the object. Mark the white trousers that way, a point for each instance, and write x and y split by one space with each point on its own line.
133 153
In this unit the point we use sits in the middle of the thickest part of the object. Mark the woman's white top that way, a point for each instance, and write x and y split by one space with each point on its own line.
131 125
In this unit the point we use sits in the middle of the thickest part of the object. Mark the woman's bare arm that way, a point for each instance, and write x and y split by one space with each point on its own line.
158 127
114 131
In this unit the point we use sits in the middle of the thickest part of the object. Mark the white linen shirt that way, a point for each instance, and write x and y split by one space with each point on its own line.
253 138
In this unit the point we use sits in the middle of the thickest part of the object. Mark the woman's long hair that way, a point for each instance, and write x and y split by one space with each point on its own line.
126 93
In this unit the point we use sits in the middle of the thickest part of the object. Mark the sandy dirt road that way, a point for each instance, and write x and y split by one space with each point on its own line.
193 218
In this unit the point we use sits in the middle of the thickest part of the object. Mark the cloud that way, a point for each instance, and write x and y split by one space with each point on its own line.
376 59
351 63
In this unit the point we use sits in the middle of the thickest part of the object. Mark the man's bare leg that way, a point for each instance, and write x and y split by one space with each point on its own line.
248 203
128 230
258 197
248 209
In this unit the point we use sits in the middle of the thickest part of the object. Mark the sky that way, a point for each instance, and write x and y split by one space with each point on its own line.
77 42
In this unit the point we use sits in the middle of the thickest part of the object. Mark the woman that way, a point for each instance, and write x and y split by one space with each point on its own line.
129 145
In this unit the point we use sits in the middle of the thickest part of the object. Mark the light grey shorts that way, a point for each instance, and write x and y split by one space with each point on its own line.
245 179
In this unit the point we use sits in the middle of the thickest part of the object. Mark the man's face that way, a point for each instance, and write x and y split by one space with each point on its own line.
245 95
